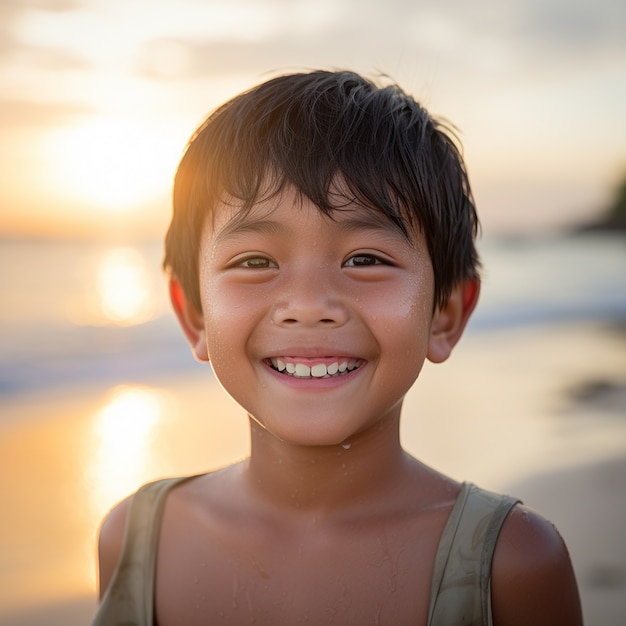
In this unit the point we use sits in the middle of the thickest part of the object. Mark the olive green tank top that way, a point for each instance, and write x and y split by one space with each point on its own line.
461 584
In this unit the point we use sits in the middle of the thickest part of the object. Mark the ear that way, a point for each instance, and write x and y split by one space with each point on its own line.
450 320
190 319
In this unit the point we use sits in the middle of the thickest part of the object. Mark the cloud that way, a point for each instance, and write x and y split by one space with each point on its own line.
11 11
574 24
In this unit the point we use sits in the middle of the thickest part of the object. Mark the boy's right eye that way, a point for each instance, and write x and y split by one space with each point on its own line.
255 263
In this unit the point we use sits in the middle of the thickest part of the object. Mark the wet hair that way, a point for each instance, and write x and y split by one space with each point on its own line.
309 131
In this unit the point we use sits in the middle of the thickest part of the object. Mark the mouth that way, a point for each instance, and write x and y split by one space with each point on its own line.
319 369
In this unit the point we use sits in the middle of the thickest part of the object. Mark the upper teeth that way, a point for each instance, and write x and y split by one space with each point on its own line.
300 370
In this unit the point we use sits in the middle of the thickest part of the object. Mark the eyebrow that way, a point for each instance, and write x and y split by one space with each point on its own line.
374 223
235 228
355 224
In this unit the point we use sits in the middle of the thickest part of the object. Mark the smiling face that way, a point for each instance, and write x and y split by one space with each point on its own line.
316 325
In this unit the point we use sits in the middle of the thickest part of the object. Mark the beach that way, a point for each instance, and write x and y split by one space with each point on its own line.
93 404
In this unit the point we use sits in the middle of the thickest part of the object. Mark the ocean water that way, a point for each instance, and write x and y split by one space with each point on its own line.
78 313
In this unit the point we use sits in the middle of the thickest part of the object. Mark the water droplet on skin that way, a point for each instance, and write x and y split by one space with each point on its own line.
525 516
346 446
235 592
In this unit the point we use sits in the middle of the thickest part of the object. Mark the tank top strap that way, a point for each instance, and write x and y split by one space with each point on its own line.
461 584
129 598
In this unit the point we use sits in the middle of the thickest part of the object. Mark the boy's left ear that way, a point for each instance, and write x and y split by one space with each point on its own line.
450 320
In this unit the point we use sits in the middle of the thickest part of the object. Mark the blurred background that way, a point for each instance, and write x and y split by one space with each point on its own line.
98 392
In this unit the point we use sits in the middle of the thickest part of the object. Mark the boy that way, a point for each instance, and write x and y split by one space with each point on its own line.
321 248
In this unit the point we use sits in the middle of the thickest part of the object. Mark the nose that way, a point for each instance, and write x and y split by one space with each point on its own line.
310 303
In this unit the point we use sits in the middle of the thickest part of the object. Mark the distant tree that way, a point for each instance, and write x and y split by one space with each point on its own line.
617 212
613 217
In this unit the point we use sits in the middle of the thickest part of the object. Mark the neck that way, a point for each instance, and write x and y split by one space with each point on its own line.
315 479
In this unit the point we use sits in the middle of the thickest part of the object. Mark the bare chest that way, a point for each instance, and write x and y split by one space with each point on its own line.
362 576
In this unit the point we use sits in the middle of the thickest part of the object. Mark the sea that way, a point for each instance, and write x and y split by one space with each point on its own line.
80 313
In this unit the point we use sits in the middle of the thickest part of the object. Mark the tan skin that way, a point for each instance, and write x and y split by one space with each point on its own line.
329 520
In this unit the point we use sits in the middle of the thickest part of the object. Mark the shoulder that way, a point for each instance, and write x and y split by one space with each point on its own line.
148 503
110 541
533 580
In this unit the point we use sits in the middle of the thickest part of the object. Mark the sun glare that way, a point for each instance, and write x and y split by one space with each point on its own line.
119 290
114 164
124 429
123 287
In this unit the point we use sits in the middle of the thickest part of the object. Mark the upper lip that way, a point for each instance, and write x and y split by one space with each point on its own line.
305 354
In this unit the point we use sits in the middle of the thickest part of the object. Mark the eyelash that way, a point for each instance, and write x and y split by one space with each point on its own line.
372 260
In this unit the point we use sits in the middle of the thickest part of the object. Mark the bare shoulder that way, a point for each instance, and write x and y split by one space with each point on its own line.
533 580
110 540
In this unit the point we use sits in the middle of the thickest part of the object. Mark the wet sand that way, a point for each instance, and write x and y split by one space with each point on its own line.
539 413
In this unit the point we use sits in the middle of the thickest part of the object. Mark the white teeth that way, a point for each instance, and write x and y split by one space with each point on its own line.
320 370
333 368
302 371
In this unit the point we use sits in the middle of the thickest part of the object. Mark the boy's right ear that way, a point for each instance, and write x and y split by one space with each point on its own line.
191 320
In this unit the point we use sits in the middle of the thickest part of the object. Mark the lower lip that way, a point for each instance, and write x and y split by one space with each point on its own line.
311 382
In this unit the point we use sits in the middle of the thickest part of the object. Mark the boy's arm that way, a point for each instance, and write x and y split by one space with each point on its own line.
533 580
110 541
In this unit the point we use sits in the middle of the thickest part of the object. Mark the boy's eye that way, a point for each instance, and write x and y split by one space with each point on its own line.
257 262
362 260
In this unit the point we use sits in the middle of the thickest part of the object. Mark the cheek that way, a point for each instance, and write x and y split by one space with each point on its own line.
409 305
408 323
221 325
229 322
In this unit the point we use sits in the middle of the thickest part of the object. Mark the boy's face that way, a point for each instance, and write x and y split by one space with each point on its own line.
316 326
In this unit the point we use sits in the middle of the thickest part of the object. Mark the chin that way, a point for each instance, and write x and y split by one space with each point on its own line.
302 435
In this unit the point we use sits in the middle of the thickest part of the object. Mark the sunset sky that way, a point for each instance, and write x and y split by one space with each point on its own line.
98 97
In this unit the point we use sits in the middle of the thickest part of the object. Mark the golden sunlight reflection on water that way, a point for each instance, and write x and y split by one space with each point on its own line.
124 430
123 292
119 290
137 433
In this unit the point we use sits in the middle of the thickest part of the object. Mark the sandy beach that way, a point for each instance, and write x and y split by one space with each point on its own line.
538 412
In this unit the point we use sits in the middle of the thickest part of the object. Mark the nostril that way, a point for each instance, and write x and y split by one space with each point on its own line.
295 313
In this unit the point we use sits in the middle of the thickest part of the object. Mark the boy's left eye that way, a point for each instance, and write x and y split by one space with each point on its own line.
363 260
